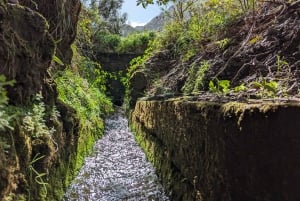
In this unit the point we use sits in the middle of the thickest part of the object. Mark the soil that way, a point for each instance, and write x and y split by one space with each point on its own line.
262 55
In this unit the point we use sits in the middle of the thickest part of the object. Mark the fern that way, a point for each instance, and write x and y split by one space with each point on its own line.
4 118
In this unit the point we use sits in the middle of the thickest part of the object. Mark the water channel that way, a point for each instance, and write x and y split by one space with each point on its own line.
117 170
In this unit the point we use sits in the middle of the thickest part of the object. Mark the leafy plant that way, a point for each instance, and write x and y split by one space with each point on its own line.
4 118
34 121
135 43
206 20
145 3
280 63
93 73
223 43
196 75
57 60
89 102
109 13
267 88
240 88
205 65
220 86
38 177
107 42
54 114
271 86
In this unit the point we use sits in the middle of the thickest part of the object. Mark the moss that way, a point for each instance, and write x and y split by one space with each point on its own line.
214 151
60 160
158 154
238 109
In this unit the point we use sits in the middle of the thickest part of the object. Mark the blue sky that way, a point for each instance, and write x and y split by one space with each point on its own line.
137 15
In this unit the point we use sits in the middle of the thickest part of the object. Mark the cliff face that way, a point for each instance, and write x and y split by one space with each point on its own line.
33 164
26 51
230 152
32 33
62 17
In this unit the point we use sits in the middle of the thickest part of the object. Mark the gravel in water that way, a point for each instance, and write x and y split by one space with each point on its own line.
117 170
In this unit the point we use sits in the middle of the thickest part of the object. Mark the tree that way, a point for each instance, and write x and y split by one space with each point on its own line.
145 3
180 8
109 13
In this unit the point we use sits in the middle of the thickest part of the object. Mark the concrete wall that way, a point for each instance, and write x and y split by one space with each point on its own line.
222 152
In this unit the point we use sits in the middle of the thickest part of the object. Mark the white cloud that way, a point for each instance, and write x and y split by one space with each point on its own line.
135 24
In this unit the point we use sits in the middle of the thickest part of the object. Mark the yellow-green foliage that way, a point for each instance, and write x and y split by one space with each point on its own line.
137 63
194 82
135 43
206 22
88 25
113 43
187 37
89 103
219 86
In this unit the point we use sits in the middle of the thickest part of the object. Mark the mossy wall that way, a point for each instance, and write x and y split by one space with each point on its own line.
41 168
38 167
230 152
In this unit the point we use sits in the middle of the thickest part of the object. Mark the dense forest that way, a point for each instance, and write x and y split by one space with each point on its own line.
55 93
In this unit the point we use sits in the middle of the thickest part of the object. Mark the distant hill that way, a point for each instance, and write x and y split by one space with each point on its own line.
156 24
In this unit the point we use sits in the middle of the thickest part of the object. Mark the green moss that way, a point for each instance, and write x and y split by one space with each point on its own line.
69 166
159 156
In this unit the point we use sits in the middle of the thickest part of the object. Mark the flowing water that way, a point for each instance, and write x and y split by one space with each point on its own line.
117 170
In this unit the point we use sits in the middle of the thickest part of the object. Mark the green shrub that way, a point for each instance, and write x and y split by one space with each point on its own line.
194 82
113 43
34 121
107 42
89 102
91 71
207 21
135 43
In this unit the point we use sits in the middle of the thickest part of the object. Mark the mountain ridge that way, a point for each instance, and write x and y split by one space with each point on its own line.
155 24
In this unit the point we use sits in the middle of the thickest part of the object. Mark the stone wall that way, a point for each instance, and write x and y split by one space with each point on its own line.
209 151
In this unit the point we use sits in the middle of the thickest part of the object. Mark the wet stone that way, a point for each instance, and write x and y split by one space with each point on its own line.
117 170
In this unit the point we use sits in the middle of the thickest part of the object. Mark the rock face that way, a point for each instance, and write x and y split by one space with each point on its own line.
26 51
31 34
38 167
62 17
229 152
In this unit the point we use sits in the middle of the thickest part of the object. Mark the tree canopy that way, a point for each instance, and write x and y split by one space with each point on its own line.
109 13
145 3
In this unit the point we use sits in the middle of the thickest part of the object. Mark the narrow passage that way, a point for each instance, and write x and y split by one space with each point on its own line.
117 170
